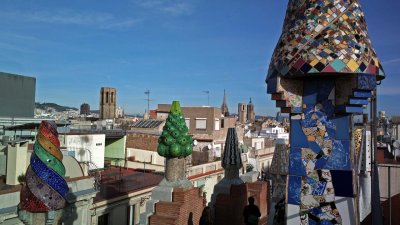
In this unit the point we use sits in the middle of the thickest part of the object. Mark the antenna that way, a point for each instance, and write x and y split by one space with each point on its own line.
208 97
148 100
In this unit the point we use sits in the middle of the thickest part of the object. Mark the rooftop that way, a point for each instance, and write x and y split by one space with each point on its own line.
147 123
118 182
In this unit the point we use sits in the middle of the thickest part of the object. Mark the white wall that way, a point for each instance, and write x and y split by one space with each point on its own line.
84 145
257 143
146 156
209 180
217 148
209 183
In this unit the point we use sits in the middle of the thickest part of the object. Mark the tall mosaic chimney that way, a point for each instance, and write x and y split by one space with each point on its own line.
322 72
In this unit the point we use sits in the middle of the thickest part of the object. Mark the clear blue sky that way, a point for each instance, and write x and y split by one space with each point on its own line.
175 48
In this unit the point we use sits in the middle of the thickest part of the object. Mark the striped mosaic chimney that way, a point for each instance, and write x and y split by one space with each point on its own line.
45 188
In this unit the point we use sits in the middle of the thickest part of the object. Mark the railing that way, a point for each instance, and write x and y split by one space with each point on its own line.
389 168
93 170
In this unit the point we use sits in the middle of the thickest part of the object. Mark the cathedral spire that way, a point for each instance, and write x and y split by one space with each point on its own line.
224 106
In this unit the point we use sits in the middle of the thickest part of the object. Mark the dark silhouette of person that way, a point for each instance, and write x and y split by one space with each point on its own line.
205 218
190 219
279 217
251 213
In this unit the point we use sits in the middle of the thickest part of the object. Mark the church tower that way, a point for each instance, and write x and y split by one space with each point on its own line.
224 106
107 103
251 116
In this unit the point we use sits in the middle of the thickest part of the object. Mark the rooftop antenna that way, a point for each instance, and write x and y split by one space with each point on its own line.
208 97
148 100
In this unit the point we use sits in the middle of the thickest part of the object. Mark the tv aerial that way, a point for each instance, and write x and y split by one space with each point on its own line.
148 100
208 97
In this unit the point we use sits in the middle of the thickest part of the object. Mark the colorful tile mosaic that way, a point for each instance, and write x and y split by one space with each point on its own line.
324 37
45 188
358 134
323 70
317 192
318 152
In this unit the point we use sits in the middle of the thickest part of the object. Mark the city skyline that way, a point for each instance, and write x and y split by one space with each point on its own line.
176 49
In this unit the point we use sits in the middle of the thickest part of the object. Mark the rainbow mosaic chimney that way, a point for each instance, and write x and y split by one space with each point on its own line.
45 188
322 71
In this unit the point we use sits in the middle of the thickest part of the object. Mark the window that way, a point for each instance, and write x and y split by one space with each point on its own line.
222 123
112 97
201 123
107 97
103 219
187 121
130 212
216 124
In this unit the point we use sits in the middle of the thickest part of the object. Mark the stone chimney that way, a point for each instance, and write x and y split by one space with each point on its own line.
16 161
174 201
231 193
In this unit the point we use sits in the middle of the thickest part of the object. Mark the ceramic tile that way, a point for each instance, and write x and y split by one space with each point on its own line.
366 82
342 125
340 158
296 166
343 182
297 137
294 188
325 89
272 85
362 94
358 101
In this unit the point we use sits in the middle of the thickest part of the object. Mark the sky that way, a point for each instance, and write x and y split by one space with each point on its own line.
177 49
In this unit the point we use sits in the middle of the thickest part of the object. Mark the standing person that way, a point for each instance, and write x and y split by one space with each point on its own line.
190 219
251 213
205 218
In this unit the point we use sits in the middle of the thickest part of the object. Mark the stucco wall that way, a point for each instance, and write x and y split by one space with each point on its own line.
84 146
115 148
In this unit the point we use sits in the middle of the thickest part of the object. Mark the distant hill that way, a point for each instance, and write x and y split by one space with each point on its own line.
55 106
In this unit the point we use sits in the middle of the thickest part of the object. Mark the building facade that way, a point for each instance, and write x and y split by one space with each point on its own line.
17 95
85 109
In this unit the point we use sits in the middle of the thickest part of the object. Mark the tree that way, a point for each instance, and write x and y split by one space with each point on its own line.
249 168
175 142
